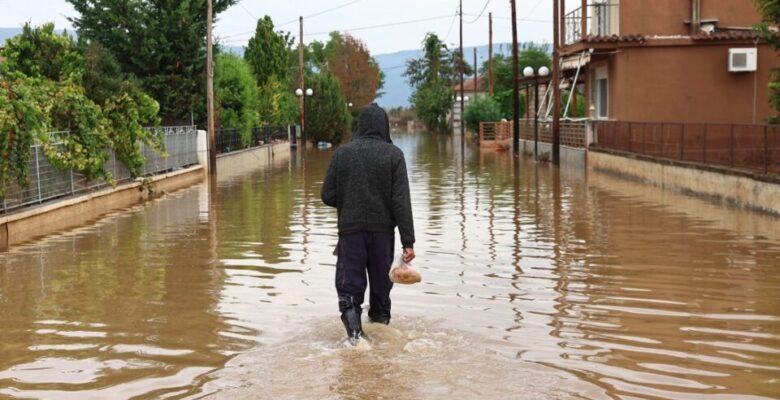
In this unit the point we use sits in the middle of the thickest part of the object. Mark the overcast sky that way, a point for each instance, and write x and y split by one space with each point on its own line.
235 26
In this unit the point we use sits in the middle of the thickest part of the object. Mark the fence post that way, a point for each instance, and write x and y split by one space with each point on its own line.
766 149
704 146
72 184
732 145
38 175
630 134
682 142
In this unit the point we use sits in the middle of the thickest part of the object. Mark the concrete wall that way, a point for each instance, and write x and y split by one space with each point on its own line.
69 213
48 218
735 189
239 162
570 156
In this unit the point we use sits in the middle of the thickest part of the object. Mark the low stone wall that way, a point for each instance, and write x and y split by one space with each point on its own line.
761 193
570 156
69 213
238 162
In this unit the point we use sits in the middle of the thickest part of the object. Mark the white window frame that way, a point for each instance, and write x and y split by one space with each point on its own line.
601 73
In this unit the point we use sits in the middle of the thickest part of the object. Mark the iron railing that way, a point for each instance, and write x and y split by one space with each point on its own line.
754 148
229 140
47 183
600 21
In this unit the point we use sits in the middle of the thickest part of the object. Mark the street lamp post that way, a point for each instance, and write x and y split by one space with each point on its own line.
300 92
529 72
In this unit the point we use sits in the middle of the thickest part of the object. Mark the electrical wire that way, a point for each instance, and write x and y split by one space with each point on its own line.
387 25
487 3
452 25
316 14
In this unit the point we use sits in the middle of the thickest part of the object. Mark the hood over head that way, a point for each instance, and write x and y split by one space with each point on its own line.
372 124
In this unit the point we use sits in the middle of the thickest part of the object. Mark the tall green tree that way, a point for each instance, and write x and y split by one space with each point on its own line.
236 94
770 13
432 76
327 116
267 53
162 43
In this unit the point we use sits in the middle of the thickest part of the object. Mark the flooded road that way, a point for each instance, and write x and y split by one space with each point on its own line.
537 284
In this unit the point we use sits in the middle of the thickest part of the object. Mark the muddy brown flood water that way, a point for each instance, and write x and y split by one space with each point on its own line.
537 284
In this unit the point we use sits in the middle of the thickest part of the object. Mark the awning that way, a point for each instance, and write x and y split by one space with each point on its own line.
575 61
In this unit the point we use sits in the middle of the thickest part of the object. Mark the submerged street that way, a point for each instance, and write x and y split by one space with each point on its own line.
537 283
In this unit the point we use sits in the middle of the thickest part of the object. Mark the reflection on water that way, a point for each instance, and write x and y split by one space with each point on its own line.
538 283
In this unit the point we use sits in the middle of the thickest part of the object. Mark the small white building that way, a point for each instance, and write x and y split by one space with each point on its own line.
472 88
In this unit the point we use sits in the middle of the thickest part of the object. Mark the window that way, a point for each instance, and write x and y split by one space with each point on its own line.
601 93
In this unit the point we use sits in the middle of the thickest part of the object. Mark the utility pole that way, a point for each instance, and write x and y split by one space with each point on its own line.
556 82
302 83
210 91
476 75
515 85
490 54
462 95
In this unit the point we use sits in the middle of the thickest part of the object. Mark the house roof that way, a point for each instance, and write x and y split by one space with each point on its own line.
727 35
719 35
468 85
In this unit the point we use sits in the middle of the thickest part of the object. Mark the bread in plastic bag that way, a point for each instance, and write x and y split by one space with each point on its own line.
403 273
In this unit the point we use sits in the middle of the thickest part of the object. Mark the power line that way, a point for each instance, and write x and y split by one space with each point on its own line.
316 14
545 21
391 24
487 3
452 24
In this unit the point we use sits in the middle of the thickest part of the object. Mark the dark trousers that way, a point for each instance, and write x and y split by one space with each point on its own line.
360 253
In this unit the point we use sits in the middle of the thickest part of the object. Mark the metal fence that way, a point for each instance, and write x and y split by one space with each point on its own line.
47 183
230 139
573 133
754 148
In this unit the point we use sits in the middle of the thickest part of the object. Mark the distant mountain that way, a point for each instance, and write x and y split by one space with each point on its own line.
6 33
397 90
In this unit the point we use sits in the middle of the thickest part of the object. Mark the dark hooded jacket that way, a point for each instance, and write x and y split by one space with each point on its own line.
367 182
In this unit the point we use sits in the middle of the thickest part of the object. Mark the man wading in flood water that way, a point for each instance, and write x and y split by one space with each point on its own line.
367 183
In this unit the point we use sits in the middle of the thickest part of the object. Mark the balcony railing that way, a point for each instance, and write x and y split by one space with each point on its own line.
601 20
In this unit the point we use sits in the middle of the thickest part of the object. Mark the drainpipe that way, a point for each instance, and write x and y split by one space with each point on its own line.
695 17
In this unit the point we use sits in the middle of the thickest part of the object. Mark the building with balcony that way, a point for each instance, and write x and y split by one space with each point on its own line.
677 61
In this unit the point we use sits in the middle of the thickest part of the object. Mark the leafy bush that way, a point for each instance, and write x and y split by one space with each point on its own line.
42 88
481 109
236 93
327 116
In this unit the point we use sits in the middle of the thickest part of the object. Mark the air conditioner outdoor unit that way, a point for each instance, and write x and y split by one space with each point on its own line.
743 60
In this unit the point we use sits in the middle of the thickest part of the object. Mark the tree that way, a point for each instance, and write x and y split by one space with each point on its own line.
236 93
770 13
42 53
432 76
532 56
267 53
481 109
103 77
162 43
327 116
358 75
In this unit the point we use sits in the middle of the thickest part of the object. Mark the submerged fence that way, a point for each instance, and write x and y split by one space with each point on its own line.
573 133
754 148
231 139
48 183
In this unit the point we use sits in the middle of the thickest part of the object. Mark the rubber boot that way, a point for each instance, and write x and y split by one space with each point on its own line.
350 317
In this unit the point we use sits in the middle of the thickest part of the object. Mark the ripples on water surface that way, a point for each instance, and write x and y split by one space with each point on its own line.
548 285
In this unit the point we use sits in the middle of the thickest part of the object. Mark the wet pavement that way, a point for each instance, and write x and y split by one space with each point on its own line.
538 283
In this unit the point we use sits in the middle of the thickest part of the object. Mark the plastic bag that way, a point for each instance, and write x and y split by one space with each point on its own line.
403 273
